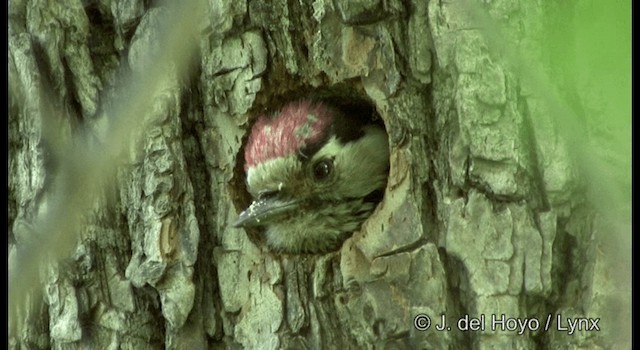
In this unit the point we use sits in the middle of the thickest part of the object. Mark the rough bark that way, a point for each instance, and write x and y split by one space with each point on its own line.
485 212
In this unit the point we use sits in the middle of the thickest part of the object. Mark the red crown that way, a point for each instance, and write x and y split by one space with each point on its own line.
297 125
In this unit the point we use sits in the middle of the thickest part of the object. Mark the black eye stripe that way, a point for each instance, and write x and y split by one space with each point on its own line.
267 194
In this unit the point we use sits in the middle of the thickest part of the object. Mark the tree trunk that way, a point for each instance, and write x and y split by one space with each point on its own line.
125 172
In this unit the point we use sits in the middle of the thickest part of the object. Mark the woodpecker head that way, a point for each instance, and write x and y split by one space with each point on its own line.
315 175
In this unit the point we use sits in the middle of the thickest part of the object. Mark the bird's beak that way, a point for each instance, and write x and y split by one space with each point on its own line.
263 211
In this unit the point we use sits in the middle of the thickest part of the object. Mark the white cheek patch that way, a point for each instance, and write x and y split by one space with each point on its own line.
362 165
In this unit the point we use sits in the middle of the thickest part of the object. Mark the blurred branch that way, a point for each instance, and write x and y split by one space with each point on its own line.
608 183
86 170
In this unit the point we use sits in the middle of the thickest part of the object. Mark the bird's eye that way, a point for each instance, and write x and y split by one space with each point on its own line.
322 169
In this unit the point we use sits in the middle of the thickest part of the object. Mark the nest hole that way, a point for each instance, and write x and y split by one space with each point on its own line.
352 102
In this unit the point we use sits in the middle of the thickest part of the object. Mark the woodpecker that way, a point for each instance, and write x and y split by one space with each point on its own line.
315 175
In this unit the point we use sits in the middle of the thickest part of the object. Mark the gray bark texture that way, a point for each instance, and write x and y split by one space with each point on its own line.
486 215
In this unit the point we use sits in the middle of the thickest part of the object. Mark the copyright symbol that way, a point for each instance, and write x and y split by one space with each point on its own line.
422 322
